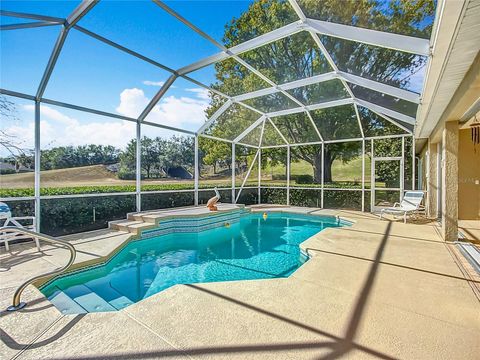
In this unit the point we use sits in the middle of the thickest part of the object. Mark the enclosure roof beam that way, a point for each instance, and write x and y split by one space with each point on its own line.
226 140
344 77
254 43
234 51
215 116
350 78
287 86
29 25
89 110
338 141
146 59
122 48
278 131
80 11
31 16
112 115
383 39
380 87
359 120
260 141
324 105
251 108
392 121
249 129
329 58
157 97
387 112
17 94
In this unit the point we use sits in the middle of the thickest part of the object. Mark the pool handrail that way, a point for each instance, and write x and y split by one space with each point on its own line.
16 303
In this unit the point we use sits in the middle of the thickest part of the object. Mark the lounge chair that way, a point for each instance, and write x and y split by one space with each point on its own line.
9 220
411 204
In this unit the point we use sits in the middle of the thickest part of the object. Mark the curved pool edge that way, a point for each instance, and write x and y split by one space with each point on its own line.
102 261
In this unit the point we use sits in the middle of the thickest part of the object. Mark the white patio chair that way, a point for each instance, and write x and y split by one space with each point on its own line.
411 204
9 220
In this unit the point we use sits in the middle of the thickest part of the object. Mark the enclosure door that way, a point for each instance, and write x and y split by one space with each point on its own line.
388 179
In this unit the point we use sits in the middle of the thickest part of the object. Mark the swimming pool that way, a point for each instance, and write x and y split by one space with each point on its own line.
255 247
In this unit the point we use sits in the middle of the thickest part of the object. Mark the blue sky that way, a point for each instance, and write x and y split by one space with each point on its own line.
92 74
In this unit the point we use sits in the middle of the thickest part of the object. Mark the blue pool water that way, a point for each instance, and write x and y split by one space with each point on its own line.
253 248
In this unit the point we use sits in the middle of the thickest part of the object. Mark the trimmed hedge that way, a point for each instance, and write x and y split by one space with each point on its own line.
99 189
72 215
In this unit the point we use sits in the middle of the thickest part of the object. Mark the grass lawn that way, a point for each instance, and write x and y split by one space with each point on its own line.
97 178
351 171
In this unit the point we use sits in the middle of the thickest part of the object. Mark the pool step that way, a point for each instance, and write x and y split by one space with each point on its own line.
110 294
138 221
66 304
125 225
88 299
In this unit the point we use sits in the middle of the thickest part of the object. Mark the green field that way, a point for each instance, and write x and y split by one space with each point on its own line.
351 171
97 179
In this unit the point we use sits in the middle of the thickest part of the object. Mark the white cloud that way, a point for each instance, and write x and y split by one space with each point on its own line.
182 112
200 93
58 129
48 112
153 83
132 102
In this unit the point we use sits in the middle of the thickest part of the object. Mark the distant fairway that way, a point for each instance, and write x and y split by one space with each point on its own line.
98 175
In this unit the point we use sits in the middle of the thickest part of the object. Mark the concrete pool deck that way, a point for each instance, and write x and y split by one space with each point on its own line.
377 289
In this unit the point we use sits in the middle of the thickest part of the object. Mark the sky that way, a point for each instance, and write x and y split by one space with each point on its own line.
92 74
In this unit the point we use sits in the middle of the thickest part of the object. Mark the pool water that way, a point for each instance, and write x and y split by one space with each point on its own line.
253 248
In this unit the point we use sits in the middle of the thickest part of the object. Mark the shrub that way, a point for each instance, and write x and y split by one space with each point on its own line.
304 179
126 174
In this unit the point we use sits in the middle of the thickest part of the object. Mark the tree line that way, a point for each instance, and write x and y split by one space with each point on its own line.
159 156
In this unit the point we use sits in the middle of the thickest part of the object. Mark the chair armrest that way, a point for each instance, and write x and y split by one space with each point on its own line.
24 218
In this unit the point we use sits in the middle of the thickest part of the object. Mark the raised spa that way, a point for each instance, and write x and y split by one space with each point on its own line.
250 246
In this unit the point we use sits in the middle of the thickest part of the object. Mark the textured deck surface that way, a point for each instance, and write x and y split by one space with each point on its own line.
377 289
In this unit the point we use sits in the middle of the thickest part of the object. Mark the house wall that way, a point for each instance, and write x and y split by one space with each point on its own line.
468 177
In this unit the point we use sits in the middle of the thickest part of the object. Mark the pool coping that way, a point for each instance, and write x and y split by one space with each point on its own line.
104 260
180 315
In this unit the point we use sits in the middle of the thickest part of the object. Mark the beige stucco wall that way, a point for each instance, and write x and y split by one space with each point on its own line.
468 173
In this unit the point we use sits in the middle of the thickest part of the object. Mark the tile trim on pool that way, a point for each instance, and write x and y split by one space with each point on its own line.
185 225
221 219
230 216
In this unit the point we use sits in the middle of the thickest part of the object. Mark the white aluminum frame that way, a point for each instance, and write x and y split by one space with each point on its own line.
314 27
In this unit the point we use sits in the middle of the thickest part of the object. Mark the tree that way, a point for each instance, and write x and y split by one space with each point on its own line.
158 156
297 57
62 157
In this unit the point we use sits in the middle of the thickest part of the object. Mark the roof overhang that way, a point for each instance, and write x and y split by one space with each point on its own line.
451 85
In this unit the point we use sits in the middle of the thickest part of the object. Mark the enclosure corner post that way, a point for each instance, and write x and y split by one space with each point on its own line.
259 175
402 170
413 164
196 171
323 174
372 177
233 173
288 174
138 168
363 175
37 166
